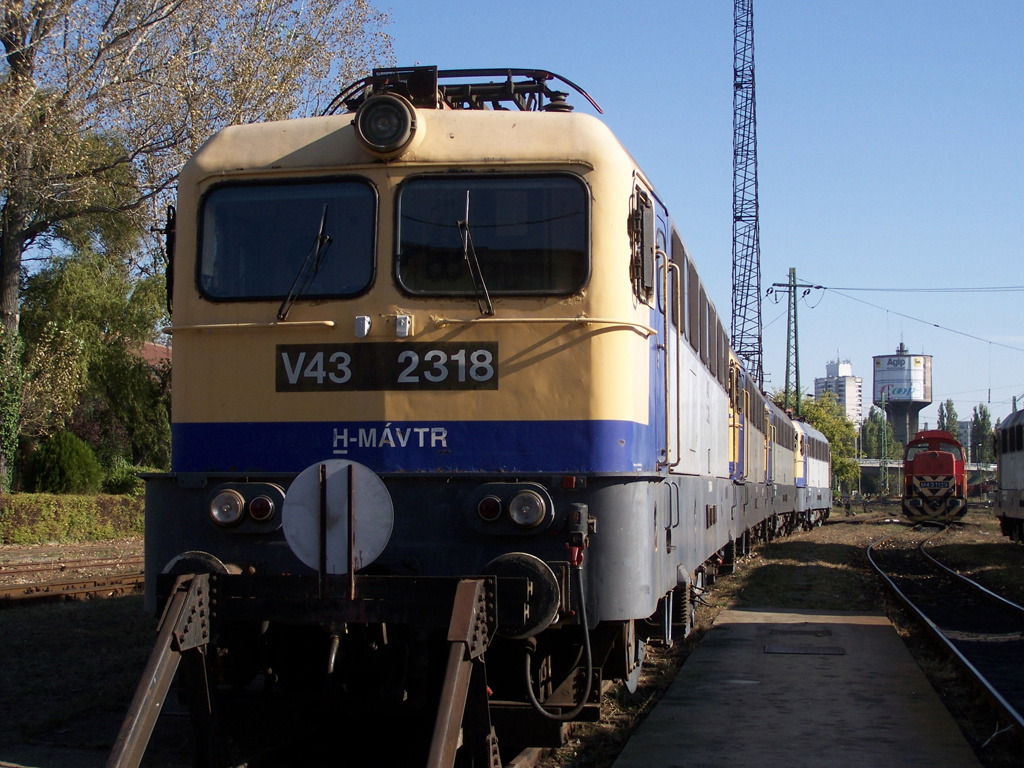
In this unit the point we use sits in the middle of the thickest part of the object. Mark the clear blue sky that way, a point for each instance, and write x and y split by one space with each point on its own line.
890 146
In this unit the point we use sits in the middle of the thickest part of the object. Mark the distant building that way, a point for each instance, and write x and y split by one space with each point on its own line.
156 355
847 388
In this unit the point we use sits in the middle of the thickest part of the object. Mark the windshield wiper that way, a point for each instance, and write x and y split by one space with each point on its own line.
483 298
309 268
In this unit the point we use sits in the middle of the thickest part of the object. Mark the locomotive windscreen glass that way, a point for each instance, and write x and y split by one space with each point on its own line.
529 234
953 448
256 239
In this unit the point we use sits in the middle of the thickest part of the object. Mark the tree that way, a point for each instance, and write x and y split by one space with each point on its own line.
101 101
948 418
827 416
10 401
982 450
872 431
871 437
119 405
53 376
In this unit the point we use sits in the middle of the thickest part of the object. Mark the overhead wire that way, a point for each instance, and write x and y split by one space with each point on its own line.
843 292
991 289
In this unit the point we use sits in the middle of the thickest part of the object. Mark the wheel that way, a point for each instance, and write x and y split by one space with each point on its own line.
634 650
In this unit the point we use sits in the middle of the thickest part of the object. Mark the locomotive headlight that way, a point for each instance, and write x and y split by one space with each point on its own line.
527 509
385 123
226 507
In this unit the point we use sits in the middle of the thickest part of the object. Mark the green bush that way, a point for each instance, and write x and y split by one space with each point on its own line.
38 518
123 478
64 464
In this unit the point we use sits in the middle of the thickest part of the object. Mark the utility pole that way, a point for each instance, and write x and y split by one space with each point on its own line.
883 442
792 341
791 395
746 245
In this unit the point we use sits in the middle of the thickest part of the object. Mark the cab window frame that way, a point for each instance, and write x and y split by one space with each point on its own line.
587 234
302 248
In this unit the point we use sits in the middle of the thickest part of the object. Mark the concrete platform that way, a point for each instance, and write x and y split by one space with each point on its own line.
799 688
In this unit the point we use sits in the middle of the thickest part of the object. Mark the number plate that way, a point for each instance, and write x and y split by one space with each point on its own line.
379 366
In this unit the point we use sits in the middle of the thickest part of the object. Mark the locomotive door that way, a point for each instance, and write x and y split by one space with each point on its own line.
668 347
738 413
649 230
665 345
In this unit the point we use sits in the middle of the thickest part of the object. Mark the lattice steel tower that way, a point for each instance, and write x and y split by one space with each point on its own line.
792 346
746 245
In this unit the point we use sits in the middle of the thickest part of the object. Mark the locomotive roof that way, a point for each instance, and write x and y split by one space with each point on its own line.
1015 418
807 429
934 434
496 138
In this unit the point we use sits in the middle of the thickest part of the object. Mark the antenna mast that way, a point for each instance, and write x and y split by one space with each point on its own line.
746 245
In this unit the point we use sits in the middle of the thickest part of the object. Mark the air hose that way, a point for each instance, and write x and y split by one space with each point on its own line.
531 647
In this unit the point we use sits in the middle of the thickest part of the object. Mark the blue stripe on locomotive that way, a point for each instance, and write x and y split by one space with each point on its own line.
560 447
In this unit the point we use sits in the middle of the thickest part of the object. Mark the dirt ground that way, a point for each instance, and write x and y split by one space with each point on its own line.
69 669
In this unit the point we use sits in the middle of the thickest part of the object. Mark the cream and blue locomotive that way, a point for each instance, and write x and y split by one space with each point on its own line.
452 337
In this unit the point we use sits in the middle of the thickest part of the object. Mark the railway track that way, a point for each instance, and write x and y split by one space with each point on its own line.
24 583
65 566
984 631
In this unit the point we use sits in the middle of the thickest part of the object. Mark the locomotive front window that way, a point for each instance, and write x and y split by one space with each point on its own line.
529 235
953 448
255 240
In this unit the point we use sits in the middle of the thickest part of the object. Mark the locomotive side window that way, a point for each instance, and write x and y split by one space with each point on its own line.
680 260
702 324
529 235
723 354
255 239
693 302
712 340
642 226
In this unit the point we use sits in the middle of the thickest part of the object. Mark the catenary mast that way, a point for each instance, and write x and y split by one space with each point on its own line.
746 247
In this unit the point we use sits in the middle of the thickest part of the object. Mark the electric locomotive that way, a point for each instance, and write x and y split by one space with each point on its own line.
935 477
1009 443
455 423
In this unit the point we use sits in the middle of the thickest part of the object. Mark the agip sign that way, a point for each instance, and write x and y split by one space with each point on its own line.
902 379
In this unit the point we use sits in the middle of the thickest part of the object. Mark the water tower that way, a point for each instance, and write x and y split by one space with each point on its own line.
902 388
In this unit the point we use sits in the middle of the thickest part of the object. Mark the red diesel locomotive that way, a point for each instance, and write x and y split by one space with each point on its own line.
935 477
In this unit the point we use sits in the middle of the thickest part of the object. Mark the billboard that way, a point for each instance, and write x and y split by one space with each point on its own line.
902 379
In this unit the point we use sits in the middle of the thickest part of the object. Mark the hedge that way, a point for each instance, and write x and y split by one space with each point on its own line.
36 518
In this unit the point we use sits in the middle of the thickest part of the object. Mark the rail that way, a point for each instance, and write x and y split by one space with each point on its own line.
1008 710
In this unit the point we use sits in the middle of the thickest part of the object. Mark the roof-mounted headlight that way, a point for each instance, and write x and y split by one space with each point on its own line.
386 124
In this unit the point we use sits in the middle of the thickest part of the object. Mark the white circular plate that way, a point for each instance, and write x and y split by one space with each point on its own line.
373 513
